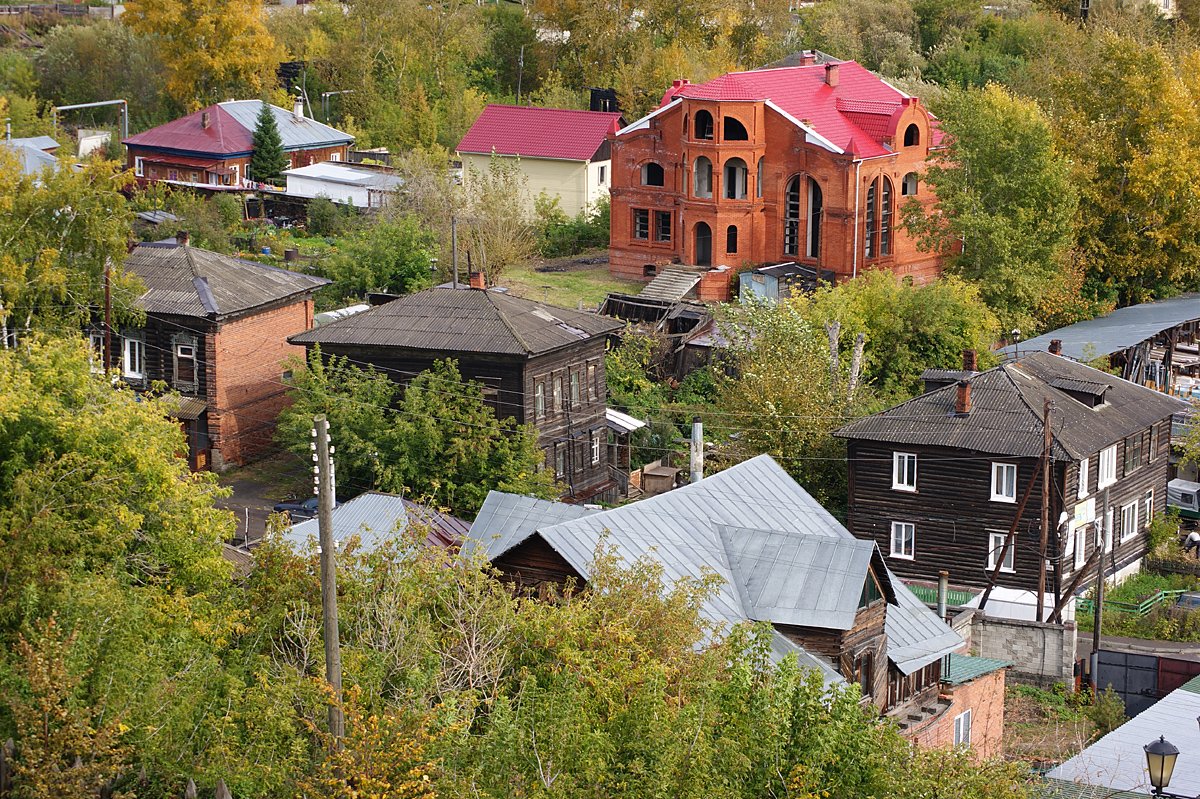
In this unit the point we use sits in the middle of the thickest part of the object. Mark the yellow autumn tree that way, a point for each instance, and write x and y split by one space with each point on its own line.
212 49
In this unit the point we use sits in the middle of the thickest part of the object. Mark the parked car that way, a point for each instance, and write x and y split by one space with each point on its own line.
1189 601
298 510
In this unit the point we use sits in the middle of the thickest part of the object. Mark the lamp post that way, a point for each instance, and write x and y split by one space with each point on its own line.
1160 762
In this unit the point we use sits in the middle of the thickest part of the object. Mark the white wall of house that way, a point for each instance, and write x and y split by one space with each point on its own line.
302 186
576 184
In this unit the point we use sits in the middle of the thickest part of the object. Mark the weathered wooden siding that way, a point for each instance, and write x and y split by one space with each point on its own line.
533 564
844 648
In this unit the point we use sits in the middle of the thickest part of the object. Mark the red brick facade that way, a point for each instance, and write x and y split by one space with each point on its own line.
984 697
777 193
246 365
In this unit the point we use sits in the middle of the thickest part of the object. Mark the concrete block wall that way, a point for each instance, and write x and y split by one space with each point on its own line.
250 357
1040 652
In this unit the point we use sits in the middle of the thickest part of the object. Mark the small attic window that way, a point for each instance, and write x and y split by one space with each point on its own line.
1085 392
871 592
912 136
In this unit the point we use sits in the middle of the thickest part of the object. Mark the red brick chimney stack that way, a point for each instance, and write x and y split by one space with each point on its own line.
808 58
962 400
478 281
831 75
183 238
205 122
1056 346
970 361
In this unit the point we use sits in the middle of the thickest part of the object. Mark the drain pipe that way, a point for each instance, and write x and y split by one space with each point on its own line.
943 589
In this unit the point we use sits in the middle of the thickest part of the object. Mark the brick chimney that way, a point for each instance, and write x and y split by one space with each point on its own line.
478 281
831 75
808 58
205 121
183 238
970 361
680 83
1056 346
962 399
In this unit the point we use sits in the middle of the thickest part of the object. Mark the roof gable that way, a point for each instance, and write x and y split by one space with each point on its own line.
1006 414
529 132
188 281
376 518
463 320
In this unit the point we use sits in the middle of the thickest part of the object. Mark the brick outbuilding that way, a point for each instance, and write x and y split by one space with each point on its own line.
808 164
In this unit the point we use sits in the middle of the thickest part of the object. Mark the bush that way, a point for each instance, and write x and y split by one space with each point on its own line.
1107 712
327 218
1164 534
559 235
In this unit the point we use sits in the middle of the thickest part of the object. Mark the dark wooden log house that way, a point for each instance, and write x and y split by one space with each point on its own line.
938 481
538 364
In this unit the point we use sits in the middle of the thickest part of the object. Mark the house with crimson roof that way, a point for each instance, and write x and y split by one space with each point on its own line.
211 148
561 152
806 164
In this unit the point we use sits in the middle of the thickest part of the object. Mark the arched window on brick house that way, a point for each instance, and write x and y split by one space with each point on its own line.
791 217
816 204
704 125
734 130
912 136
885 218
652 174
702 177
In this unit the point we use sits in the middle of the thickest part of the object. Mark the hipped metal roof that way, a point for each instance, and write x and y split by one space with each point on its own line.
1006 412
1119 330
230 131
376 518
750 524
465 321
188 281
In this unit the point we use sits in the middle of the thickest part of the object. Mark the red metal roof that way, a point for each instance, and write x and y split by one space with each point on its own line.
539 132
853 115
223 136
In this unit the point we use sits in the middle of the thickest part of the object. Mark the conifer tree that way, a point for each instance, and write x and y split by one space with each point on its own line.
267 160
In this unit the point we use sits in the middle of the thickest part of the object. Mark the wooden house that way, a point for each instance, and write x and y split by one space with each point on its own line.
216 335
538 364
953 479
784 560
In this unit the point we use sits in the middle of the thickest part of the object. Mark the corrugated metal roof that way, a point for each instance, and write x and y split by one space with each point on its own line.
33 160
188 281
671 285
813 581
681 530
505 520
1006 412
1117 761
230 131
38 142
1119 330
182 407
376 518
959 669
1061 789
529 132
342 173
463 320
622 422
1191 686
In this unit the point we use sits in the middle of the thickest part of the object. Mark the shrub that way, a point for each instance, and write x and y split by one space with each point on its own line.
1107 712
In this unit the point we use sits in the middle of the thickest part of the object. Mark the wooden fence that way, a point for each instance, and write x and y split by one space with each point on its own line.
1173 566
190 791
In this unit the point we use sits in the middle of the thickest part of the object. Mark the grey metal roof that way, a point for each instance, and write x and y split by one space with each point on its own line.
1119 330
1061 789
671 285
296 133
376 518
463 320
813 581
505 520
187 281
1006 412
622 422
33 160
1117 762
38 142
681 530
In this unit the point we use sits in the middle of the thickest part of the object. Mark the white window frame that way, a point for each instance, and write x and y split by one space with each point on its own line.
1147 508
995 545
1079 537
900 462
1129 513
602 175
96 346
998 468
1108 531
539 400
1084 469
126 351
911 538
596 447
1106 474
962 728
139 167
560 460
335 157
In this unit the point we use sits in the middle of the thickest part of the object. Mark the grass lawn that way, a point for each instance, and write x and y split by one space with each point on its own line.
1044 727
589 283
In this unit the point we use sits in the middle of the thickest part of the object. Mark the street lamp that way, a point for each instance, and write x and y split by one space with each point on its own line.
1160 762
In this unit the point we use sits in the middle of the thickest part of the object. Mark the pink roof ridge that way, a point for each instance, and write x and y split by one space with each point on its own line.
557 133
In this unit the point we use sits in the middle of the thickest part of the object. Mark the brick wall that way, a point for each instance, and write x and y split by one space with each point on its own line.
1040 652
984 696
248 393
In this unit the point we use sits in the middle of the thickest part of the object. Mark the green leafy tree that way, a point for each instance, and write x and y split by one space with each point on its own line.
267 158
447 444
394 255
1005 204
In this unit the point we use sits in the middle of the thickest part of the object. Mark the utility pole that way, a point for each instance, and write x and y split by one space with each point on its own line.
697 452
454 248
520 72
107 316
1041 596
325 500
1102 525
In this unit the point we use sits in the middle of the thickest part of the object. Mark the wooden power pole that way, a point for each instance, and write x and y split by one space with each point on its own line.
1041 596
333 651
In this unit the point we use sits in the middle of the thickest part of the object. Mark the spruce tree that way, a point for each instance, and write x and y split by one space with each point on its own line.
268 160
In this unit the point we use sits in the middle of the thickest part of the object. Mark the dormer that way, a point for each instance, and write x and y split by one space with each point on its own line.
1085 392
